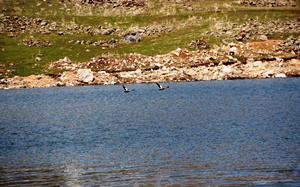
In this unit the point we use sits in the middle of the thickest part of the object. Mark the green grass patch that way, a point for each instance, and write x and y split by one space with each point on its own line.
23 57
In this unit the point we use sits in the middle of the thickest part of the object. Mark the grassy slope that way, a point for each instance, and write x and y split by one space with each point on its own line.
24 57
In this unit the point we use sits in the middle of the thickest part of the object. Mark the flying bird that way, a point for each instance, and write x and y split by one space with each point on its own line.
160 87
126 90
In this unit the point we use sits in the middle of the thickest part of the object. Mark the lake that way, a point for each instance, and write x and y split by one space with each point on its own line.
212 133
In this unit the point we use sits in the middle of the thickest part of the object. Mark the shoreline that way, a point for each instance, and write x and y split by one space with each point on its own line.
168 82
251 60
46 81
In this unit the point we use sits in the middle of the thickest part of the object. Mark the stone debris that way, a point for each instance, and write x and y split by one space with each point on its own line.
100 43
262 38
63 64
232 49
291 44
254 29
15 25
132 38
114 3
199 44
252 60
37 43
153 30
32 81
85 75
268 3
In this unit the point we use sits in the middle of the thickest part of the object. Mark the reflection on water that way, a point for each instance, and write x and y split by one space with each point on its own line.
204 133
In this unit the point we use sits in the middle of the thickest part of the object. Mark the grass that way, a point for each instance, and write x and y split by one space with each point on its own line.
187 25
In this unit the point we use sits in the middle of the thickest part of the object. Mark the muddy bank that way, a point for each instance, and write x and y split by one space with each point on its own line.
252 60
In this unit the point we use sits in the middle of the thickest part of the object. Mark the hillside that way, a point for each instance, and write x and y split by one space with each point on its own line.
129 41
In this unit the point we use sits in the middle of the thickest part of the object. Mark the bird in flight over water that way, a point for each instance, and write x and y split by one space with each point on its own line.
160 87
126 90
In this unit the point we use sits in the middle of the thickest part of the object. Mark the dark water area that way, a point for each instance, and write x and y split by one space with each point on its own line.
214 133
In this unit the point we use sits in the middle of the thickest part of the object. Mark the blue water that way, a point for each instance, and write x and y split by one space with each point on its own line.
214 133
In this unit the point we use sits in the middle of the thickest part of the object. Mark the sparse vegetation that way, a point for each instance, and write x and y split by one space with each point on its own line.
164 26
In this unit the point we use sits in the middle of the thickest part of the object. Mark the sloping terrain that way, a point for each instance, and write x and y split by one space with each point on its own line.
122 35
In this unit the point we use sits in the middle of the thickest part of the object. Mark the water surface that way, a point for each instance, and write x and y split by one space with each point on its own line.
225 133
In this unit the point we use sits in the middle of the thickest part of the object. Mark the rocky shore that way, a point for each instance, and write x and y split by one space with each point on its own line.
59 39
268 3
252 60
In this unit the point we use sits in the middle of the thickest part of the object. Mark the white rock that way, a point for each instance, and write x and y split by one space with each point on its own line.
232 50
85 75
268 73
164 68
103 73
227 70
38 59
280 75
279 59
158 65
66 60
177 52
263 37
258 63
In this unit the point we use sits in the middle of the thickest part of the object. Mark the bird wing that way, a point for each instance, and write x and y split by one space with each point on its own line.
158 85
124 87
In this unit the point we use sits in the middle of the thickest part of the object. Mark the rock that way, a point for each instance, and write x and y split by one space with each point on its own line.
107 31
262 37
44 23
294 61
291 45
38 59
268 73
60 84
257 63
190 72
85 75
293 73
232 50
280 75
65 60
227 70
115 4
199 44
157 66
279 59
132 38
267 3
38 43
3 81
250 60
177 52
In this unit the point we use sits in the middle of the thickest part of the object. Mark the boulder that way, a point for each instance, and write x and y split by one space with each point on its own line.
280 75
227 70
65 60
132 38
293 73
262 37
258 64
85 75
59 83
268 73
